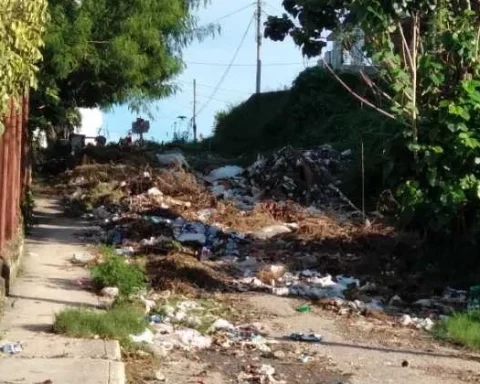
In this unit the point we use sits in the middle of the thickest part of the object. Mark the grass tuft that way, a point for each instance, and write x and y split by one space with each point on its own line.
117 323
462 328
116 272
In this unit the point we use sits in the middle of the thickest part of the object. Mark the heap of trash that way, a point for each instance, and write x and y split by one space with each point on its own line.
189 326
310 177
251 225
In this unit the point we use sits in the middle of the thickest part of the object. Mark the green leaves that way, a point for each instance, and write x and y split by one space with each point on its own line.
21 30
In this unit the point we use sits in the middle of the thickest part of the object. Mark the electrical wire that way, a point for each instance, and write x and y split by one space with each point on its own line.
227 70
230 14
189 84
243 65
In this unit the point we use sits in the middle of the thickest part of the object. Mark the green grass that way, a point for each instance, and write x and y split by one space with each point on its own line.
462 328
115 272
117 323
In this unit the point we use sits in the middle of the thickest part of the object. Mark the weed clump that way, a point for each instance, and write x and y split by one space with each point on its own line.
117 323
462 328
115 272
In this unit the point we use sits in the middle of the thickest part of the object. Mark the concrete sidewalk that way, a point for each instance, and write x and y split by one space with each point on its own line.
48 283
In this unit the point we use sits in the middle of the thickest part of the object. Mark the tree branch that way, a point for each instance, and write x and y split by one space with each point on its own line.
373 85
408 53
356 95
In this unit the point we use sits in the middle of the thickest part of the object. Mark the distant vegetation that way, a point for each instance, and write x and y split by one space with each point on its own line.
317 110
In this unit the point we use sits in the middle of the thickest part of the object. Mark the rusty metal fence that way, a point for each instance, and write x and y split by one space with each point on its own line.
14 168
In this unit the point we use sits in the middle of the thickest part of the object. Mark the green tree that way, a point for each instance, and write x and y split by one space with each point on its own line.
21 29
427 55
103 52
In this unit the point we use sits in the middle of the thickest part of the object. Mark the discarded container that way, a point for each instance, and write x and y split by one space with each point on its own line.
154 191
111 292
304 359
227 172
11 348
304 308
145 337
310 337
82 258
191 338
155 319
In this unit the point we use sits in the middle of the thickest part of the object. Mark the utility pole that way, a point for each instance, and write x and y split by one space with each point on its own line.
259 45
194 119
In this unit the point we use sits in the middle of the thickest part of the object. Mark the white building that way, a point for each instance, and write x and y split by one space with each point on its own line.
92 121
341 59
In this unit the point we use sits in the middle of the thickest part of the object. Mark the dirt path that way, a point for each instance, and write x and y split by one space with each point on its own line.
368 352
47 284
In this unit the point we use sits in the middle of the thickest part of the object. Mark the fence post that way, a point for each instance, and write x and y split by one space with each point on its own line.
2 191
4 187
26 146
18 162
11 170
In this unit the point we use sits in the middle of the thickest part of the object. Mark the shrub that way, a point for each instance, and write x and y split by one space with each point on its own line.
462 328
115 272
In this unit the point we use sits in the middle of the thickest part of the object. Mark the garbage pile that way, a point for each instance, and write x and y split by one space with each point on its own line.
312 284
189 326
310 177
166 213
258 374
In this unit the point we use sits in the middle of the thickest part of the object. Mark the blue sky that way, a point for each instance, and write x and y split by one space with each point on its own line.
207 61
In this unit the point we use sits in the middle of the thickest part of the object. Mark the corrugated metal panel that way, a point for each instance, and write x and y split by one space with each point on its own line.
13 168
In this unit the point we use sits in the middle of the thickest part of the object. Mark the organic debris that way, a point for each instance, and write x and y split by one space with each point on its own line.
281 225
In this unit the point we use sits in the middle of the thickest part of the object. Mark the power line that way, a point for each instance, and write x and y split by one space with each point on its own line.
227 70
242 65
220 89
231 14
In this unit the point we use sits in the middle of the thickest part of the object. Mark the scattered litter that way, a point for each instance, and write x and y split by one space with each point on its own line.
279 355
160 376
154 192
82 258
192 339
221 325
101 213
155 319
125 251
227 172
111 292
406 320
304 308
149 304
310 337
192 238
172 158
420 323
272 231
11 348
455 296
304 359
254 374
146 337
